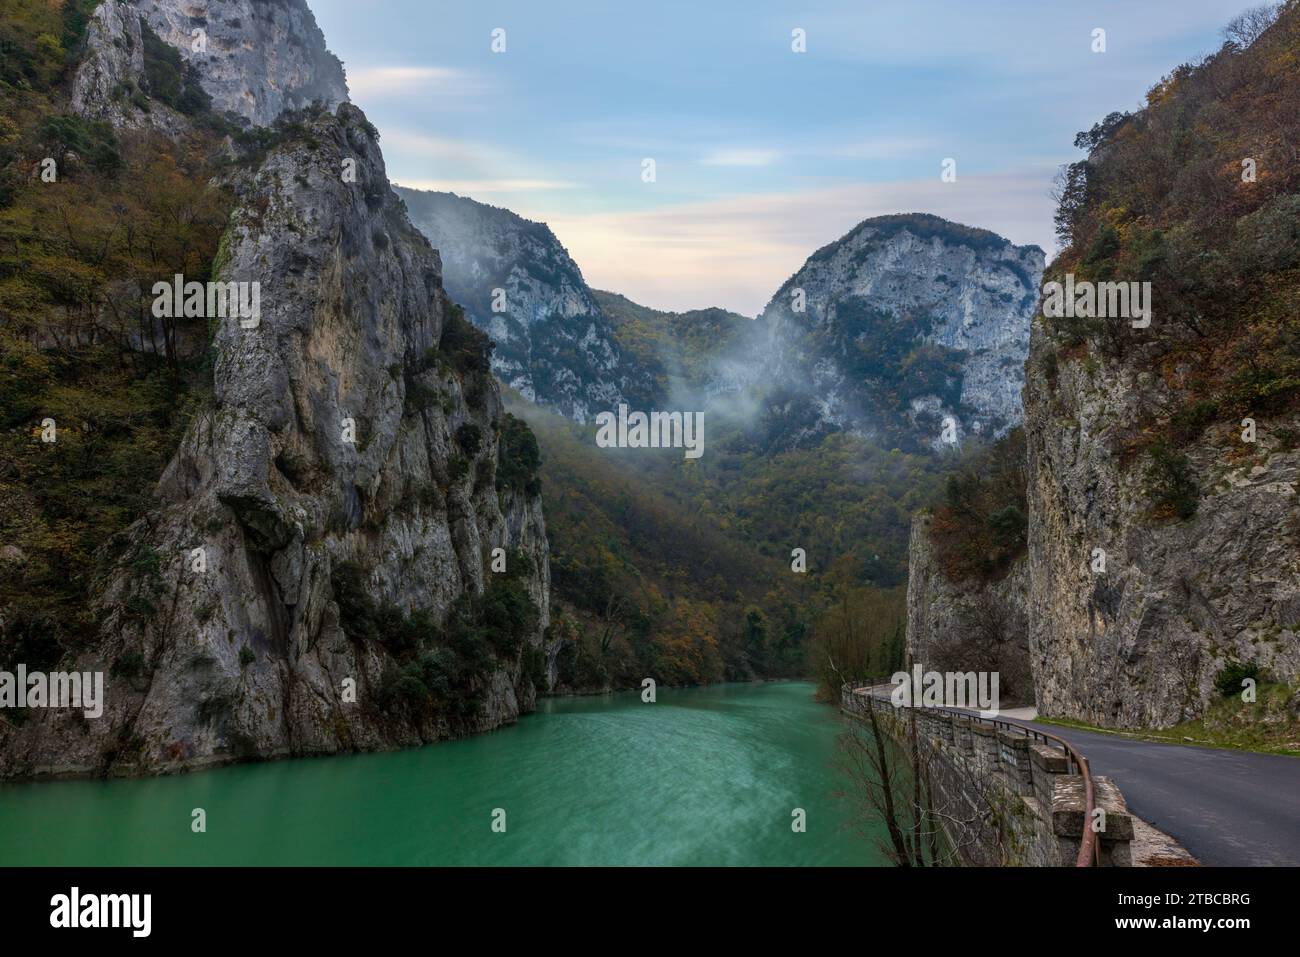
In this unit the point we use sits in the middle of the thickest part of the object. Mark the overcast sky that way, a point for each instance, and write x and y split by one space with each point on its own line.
762 154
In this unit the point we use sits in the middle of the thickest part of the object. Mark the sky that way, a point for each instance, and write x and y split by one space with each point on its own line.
761 154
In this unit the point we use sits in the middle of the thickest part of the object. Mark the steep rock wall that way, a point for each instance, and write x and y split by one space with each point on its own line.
967 626
255 59
350 428
1140 644
554 344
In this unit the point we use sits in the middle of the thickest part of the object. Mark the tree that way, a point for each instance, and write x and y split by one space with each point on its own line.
1245 28
891 769
854 638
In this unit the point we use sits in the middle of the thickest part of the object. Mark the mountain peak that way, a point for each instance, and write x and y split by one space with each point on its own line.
909 324
255 60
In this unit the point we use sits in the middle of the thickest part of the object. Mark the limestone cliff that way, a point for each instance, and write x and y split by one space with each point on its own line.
1140 644
968 626
114 61
1164 474
554 345
904 325
318 574
256 60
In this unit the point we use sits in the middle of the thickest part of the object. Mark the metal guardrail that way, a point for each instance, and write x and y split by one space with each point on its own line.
1089 850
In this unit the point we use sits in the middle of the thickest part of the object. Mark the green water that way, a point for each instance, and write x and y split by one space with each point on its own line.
703 776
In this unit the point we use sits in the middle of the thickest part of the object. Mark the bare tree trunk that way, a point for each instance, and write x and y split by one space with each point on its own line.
918 854
890 814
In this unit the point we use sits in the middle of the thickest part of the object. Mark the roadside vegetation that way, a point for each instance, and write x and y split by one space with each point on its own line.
1270 724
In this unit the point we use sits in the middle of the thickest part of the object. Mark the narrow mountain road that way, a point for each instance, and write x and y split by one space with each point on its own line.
1226 807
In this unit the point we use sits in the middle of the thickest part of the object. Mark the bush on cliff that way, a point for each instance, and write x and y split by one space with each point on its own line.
519 459
1169 482
1228 682
980 527
467 348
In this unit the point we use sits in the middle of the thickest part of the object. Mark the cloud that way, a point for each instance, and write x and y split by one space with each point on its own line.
467 167
378 82
442 149
735 252
741 157
473 187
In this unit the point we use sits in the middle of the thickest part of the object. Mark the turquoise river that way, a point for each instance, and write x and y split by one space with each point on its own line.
704 776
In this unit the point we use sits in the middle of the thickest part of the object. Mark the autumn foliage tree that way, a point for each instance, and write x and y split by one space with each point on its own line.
979 528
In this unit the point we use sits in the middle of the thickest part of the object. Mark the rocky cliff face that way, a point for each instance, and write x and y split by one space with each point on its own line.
256 60
908 324
259 59
1139 644
968 626
114 58
325 533
1167 446
554 345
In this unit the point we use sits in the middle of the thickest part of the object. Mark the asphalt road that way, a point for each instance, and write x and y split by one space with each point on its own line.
1225 807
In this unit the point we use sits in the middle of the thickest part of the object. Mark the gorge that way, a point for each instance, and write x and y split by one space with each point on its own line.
402 477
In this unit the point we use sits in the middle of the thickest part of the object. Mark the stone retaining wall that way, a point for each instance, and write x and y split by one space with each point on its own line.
1003 797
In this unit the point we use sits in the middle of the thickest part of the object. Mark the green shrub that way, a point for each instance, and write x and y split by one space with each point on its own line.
94 141
76 18
467 348
130 664
1010 526
246 656
509 615
358 613
445 669
470 438
519 461
1103 248
410 687
419 396
1228 681
1169 481
980 528
1188 423
400 634
169 78
401 689
440 672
